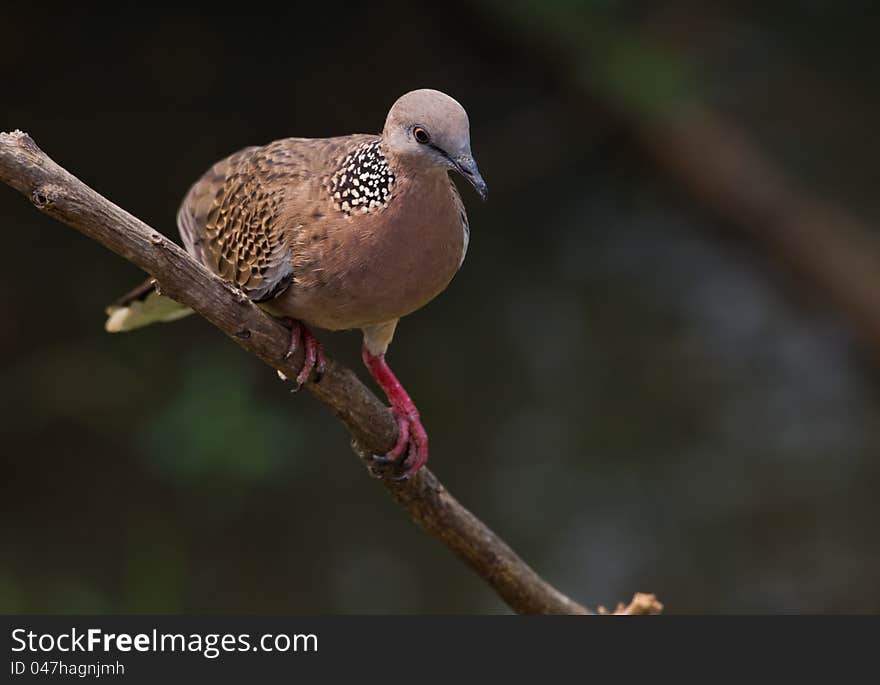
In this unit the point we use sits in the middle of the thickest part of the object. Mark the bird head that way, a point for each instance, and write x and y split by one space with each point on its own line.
428 128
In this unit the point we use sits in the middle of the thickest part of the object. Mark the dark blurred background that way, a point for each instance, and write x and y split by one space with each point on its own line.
623 381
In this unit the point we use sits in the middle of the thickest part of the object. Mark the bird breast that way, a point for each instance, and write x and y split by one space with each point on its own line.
356 269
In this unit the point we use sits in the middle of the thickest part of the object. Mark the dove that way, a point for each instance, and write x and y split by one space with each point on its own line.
351 232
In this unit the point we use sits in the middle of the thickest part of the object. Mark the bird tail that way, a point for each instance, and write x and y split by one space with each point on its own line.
141 307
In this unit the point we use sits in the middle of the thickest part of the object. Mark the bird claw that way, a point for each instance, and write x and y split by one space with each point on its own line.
314 354
321 365
410 452
394 466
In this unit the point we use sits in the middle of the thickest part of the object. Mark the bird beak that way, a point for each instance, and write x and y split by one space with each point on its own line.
468 168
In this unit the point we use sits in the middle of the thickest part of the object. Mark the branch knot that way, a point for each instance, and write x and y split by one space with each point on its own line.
43 197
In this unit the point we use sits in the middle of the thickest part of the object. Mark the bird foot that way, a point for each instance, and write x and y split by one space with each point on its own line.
314 359
410 452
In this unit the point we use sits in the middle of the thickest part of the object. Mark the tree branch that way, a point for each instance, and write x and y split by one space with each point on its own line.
64 197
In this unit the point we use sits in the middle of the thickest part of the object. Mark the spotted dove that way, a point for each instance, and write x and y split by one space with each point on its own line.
336 233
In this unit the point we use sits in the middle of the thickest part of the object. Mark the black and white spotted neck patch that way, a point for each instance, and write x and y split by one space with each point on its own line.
363 182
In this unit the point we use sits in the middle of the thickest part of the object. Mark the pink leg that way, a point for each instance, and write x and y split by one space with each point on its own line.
411 450
314 359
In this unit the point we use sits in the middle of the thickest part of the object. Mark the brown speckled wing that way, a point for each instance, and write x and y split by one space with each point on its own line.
244 217
231 219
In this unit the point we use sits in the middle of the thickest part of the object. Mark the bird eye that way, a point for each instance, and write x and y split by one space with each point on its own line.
421 135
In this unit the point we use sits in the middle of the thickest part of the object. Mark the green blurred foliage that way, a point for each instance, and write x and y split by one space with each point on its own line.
218 427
